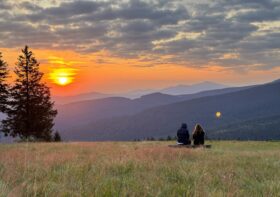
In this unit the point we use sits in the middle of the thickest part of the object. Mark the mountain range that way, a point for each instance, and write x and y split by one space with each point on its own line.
158 115
174 90
191 89
59 100
84 112
249 112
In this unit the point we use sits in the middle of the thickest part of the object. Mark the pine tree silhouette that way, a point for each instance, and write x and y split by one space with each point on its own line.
31 113
3 85
57 137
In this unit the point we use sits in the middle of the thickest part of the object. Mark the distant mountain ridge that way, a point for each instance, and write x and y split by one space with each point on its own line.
243 105
191 89
59 100
85 112
175 90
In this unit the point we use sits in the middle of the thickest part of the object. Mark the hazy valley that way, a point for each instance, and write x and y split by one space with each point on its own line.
160 115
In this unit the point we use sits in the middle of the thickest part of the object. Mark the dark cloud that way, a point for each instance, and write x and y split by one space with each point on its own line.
192 33
71 9
4 5
256 4
142 10
261 15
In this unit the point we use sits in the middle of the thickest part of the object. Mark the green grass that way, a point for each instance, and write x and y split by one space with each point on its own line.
229 168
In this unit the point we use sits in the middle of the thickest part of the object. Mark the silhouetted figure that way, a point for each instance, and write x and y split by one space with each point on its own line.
198 135
183 135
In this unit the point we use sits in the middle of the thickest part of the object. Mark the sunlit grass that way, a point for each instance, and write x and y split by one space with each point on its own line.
140 169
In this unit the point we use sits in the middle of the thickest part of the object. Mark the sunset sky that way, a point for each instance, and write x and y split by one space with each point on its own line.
116 46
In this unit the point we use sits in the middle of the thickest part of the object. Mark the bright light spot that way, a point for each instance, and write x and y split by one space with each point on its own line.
63 80
63 76
218 114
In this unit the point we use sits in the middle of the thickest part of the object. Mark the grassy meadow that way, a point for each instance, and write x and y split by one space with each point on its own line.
229 168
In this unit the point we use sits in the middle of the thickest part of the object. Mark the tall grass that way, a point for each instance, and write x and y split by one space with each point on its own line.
229 168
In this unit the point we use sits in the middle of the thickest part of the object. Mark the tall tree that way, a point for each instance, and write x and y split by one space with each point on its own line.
3 84
31 113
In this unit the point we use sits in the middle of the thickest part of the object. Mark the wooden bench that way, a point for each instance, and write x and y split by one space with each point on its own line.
189 146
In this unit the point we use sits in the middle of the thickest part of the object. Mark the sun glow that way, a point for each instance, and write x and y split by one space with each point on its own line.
63 80
62 76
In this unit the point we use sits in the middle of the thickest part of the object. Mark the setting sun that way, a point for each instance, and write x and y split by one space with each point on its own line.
63 80
62 76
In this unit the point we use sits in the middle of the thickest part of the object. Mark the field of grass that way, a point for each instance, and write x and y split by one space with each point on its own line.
229 168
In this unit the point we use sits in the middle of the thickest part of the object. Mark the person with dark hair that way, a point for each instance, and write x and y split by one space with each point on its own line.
198 135
183 136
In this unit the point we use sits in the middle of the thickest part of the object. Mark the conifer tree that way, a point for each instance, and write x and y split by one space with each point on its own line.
31 113
3 85
57 137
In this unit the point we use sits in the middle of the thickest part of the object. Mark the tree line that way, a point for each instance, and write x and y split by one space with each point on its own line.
26 102
168 138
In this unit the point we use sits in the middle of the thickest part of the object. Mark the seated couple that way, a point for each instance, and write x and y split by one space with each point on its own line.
183 137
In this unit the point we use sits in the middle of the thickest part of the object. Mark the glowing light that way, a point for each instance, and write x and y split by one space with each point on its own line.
62 76
218 114
63 80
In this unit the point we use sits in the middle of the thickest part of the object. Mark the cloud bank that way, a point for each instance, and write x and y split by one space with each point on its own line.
235 34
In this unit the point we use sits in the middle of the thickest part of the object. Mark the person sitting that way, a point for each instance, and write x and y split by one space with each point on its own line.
198 135
183 137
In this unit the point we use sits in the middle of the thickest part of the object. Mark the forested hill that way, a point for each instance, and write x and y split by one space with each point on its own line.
249 104
267 128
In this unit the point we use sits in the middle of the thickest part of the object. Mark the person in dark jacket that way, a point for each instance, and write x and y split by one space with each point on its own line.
198 135
183 136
